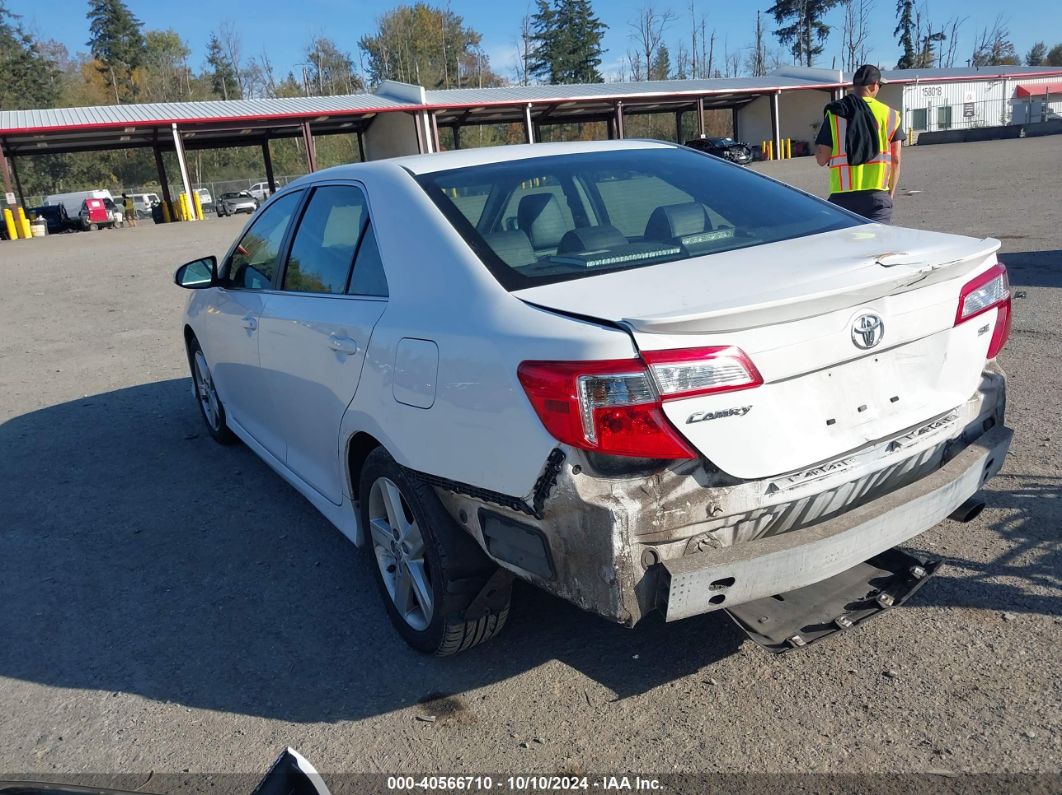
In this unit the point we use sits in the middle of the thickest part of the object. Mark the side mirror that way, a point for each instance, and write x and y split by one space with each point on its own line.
197 274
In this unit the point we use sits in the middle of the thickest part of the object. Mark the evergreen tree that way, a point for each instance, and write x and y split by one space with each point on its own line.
117 44
545 50
805 32
1037 55
661 66
567 42
1054 56
905 25
221 72
28 77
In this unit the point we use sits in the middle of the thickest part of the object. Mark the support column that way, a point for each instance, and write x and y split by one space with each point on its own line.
776 134
311 149
267 159
529 130
5 172
164 183
457 136
700 117
678 127
435 132
422 147
611 127
361 146
619 120
179 146
734 123
18 183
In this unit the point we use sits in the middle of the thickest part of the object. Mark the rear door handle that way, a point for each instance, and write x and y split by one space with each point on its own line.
250 322
343 345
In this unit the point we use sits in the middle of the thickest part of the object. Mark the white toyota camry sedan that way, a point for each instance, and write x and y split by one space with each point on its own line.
632 374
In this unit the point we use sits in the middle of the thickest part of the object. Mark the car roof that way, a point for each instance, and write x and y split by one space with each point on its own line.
464 158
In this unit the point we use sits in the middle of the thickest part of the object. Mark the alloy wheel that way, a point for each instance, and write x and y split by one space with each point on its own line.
205 392
399 549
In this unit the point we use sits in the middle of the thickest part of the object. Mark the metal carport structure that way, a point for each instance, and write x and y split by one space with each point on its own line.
180 126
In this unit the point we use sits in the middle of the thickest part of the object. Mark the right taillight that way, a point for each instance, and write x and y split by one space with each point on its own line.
988 290
616 406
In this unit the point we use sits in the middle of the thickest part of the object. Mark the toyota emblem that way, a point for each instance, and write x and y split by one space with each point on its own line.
867 331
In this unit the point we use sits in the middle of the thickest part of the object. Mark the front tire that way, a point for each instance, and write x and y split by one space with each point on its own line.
210 407
428 570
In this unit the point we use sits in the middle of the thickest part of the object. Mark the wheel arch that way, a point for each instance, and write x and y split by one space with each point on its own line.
189 335
359 446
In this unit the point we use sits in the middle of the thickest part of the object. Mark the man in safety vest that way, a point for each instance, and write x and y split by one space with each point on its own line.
861 141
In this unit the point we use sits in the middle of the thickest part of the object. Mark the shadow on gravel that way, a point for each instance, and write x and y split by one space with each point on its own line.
1033 268
1032 563
137 556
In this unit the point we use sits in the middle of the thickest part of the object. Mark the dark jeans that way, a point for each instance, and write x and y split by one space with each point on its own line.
875 205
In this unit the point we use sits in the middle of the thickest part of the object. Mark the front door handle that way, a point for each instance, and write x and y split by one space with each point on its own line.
250 322
343 345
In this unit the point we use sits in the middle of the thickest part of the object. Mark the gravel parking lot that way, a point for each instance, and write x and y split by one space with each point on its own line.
168 606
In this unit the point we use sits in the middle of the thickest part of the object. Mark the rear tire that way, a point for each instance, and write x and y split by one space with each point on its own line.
210 407
429 571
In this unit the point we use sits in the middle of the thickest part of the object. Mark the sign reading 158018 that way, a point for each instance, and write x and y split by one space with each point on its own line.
932 91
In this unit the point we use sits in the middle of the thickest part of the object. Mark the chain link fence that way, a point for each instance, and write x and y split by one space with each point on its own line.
941 115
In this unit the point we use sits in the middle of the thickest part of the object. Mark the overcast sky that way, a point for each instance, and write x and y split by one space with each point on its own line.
271 24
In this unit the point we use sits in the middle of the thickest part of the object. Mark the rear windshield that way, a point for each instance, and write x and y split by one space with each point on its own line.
551 219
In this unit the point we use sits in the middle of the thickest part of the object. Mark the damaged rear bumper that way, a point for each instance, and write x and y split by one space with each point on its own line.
741 573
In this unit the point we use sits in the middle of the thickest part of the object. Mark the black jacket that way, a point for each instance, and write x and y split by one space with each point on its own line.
861 139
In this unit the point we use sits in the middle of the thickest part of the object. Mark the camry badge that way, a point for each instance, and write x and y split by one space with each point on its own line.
704 416
867 331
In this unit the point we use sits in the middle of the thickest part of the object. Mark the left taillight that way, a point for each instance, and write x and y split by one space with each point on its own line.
615 406
986 291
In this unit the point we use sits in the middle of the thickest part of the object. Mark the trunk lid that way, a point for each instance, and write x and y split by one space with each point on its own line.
797 309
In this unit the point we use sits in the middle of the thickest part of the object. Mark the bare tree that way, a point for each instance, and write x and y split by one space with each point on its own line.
231 45
856 33
634 60
682 62
993 46
702 45
949 50
731 61
757 59
647 32
264 67
708 56
525 48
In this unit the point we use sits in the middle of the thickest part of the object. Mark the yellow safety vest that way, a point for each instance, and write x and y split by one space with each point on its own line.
875 173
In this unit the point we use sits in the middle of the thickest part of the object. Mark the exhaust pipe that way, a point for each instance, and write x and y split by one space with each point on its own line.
968 511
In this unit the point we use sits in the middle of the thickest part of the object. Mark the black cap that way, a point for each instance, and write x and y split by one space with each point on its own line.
868 75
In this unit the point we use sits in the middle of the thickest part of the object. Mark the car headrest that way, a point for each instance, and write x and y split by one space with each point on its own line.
539 216
512 247
673 221
591 238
